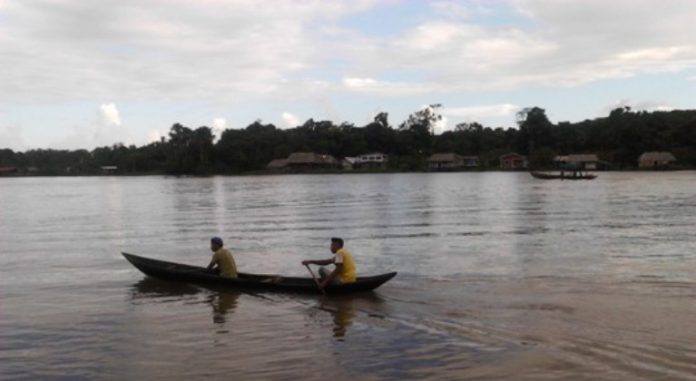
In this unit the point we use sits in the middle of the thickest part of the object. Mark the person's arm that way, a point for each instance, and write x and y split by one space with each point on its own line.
319 262
212 264
332 276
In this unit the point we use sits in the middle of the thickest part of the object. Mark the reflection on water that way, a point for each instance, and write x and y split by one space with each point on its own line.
343 315
149 287
345 308
223 304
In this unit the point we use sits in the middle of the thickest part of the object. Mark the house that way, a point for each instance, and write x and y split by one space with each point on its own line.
582 161
513 161
5 169
107 169
451 162
302 161
277 164
371 160
445 161
348 163
471 161
656 160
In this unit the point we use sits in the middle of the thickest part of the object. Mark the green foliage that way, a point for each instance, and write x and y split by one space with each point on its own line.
618 138
535 130
189 151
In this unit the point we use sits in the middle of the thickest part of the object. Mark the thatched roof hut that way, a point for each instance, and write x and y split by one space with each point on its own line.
452 161
656 160
448 157
277 164
299 160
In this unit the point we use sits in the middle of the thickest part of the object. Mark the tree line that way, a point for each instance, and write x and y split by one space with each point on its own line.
618 139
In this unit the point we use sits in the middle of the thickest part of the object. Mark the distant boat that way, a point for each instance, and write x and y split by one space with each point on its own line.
573 175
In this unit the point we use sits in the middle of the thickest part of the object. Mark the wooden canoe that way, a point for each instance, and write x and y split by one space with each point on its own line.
258 282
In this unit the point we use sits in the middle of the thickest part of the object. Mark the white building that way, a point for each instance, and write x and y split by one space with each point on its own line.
371 160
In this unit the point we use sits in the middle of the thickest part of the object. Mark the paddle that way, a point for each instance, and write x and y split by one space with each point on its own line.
315 279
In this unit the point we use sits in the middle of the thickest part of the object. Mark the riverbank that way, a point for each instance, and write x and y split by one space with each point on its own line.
319 172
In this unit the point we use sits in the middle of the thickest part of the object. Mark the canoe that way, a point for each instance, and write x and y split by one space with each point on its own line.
549 176
259 282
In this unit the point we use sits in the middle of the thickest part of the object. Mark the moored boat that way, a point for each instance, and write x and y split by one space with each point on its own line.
259 282
563 176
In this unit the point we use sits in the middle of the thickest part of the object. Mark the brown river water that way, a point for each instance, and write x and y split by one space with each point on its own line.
501 277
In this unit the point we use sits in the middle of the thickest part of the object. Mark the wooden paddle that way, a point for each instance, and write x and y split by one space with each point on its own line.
315 279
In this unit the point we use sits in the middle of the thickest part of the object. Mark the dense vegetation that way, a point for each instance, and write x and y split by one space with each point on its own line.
617 139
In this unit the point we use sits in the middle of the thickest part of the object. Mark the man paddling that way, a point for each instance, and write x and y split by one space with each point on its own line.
344 271
222 262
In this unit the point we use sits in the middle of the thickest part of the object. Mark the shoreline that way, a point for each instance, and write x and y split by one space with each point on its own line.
329 172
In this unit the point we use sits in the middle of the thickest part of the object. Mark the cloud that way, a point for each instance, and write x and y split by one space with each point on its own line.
357 83
104 130
189 50
451 9
455 56
552 45
475 113
441 125
376 87
289 120
219 125
110 115
155 136
623 39
108 130
172 50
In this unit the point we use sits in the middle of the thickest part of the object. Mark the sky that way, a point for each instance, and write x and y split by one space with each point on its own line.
83 74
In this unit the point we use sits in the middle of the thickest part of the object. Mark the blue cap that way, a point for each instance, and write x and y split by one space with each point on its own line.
216 240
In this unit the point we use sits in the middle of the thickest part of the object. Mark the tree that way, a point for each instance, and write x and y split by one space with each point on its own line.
619 138
416 133
189 151
535 130
424 119
382 119
466 126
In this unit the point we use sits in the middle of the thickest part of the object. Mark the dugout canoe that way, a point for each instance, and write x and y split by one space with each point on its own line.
259 282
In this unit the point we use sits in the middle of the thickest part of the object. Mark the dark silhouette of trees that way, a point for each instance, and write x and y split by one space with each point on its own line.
618 138
535 130
190 151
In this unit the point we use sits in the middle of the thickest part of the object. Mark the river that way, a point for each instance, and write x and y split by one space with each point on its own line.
501 276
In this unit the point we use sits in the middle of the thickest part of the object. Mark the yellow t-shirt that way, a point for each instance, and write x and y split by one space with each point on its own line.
224 260
349 272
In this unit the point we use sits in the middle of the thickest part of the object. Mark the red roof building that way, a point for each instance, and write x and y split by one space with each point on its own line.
513 161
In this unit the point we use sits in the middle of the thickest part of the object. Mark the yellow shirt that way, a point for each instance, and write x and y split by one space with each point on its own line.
349 272
225 262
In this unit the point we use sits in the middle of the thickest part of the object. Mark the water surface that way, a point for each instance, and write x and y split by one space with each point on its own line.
501 276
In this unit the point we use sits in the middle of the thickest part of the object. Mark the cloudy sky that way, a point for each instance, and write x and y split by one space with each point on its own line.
80 74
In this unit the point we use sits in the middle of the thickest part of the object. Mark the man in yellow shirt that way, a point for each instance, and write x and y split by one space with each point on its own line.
222 262
344 271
